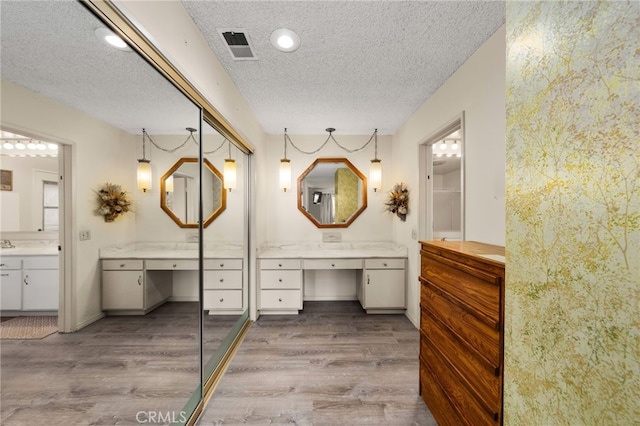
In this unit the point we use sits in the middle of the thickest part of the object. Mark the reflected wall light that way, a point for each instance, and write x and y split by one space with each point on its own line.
375 171
229 171
285 168
144 168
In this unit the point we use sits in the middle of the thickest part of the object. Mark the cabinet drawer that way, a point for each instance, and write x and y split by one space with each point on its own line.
281 279
279 264
280 299
40 262
479 376
222 264
10 263
436 399
222 299
121 264
223 280
483 338
384 263
172 264
478 290
332 264
464 401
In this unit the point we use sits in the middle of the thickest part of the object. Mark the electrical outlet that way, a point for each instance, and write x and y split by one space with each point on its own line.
331 237
414 234
85 235
192 237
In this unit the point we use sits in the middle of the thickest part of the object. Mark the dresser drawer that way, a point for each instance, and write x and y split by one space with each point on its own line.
235 264
280 264
172 264
222 299
280 299
384 263
435 398
458 394
483 338
10 263
476 289
332 264
222 280
482 378
288 279
40 262
122 264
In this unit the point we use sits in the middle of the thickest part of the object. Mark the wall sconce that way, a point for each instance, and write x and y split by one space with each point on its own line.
229 171
375 171
144 168
285 168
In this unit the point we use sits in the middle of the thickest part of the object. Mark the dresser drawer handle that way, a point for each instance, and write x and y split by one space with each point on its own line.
139 280
222 265
2 264
122 265
222 300
5 275
279 280
384 264
279 265
333 265
279 299
175 265
221 280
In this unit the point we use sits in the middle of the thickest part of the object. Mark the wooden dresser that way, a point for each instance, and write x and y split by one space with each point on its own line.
461 331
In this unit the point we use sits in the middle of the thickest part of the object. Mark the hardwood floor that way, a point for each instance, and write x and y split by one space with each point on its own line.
108 372
331 365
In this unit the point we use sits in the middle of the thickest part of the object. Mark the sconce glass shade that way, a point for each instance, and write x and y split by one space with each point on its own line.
168 184
285 174
229 174
375 174
144 175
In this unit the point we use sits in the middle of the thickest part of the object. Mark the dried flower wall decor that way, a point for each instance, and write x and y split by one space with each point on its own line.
398 201
112 201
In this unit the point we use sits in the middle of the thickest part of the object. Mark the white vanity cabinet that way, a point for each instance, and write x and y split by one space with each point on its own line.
223 286
29 283
122 284
384 286
11 284
280 286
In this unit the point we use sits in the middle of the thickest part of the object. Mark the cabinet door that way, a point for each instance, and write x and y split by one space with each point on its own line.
40 290
10 290
122 290
384 289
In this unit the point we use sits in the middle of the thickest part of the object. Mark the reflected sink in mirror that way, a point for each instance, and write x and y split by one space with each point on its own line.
332 193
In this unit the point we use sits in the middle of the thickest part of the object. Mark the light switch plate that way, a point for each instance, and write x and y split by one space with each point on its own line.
85 235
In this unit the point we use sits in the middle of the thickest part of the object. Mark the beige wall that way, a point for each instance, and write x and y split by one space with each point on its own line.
477 89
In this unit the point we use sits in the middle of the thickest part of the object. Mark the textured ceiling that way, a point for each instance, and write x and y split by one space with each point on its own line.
361 64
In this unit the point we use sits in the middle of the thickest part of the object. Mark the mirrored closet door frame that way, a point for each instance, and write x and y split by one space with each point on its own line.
117 22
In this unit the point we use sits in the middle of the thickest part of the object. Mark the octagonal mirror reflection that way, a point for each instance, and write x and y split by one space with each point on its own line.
179 192
332 193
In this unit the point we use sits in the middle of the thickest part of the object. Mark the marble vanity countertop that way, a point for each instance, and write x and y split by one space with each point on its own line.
331 250
31 248
170 250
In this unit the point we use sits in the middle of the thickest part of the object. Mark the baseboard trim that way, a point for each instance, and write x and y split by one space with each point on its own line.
89 321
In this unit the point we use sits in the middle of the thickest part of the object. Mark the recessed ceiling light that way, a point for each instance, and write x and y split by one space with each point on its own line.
285 40
112 39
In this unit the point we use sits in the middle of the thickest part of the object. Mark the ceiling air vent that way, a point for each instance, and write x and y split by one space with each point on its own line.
237 41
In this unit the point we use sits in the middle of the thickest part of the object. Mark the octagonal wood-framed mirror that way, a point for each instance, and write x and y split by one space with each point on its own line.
179 197
332 192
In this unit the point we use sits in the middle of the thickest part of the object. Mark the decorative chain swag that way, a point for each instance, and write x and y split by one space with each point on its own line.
112 202
398 201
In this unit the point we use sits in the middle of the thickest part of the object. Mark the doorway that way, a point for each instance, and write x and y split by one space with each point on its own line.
441 189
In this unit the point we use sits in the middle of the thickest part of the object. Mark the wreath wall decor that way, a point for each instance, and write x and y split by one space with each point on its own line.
398 201
112 202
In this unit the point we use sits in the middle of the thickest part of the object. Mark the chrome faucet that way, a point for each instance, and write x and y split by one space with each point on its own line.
6 244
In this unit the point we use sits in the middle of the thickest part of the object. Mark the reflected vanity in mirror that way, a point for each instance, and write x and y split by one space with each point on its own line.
179 192
332 193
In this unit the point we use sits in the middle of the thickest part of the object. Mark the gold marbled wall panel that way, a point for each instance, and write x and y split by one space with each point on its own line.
572 346
346 185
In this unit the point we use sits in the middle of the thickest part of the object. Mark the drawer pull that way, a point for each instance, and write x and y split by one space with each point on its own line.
279 265
221 280
139 280
333 265
222 265
5 275
222 300
279 280
122 265
2 264
26 280
279 299
174 265
385 264
368 279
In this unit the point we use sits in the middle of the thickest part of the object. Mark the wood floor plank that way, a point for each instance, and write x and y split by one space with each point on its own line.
330 365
